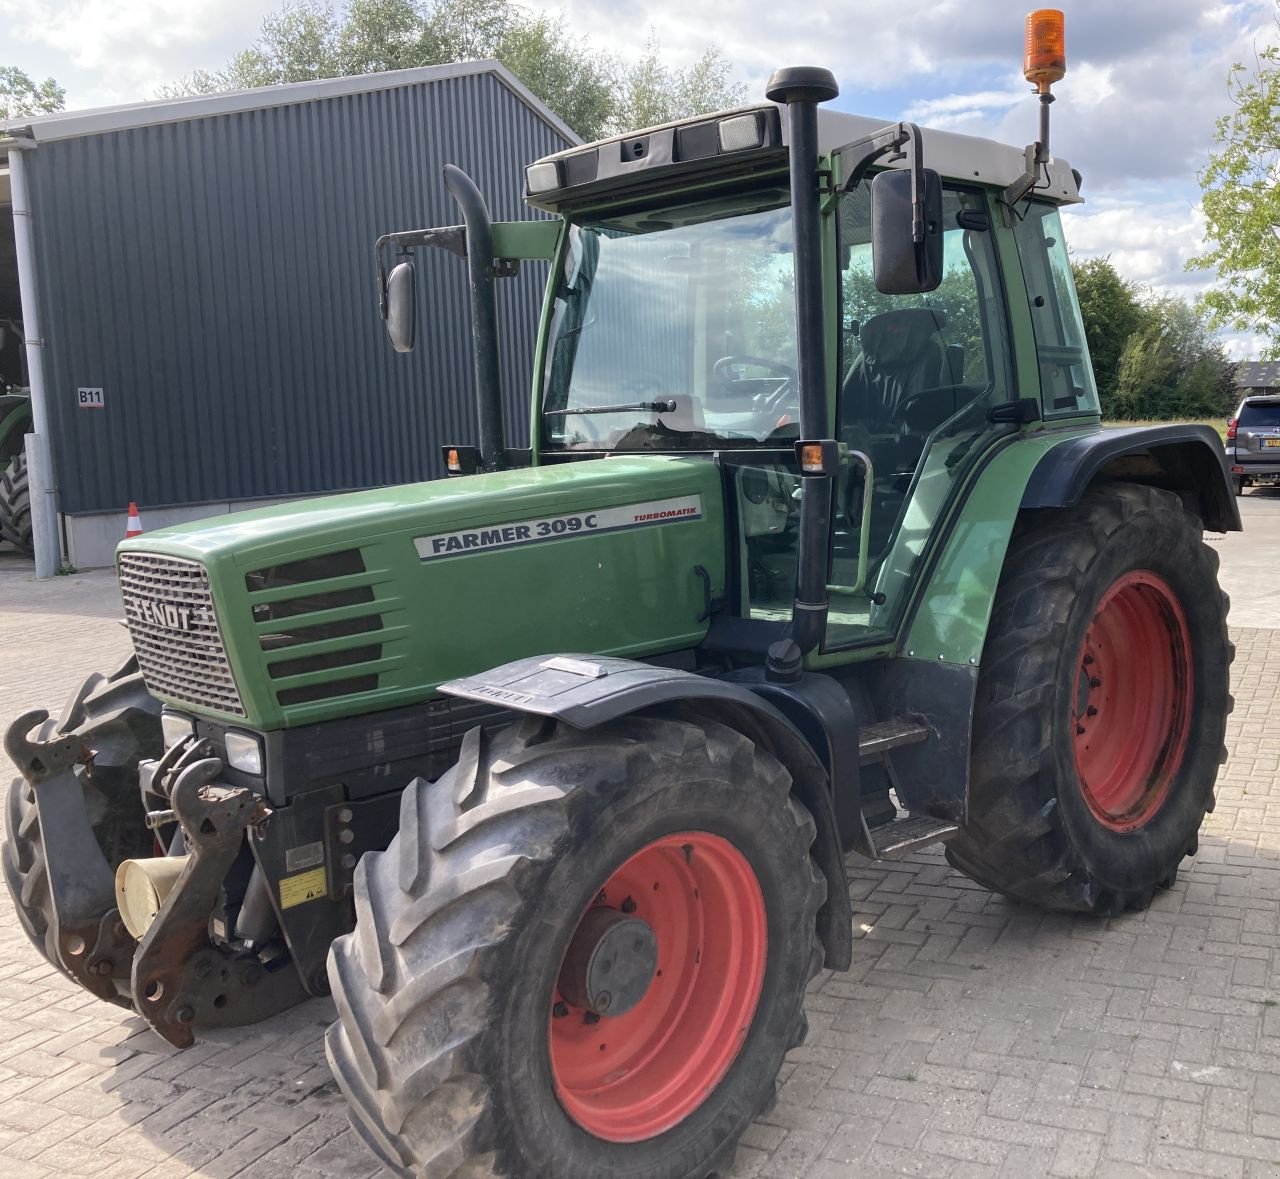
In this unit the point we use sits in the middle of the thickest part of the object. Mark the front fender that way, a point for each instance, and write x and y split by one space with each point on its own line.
585 691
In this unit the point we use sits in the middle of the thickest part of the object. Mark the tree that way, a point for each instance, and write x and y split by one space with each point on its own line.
1241 202
20 96
593 93
1172 366
1112 314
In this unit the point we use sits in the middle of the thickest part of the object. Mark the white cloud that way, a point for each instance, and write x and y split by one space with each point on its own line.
1148 242
1146 78
114 51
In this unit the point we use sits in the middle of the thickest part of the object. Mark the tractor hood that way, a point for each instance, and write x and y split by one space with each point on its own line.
355 603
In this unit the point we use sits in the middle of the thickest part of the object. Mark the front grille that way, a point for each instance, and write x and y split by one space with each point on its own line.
169 611
320 586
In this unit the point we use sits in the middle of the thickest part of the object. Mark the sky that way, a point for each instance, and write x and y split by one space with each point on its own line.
1146 81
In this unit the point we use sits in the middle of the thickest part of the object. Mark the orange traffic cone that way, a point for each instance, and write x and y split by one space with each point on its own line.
133 527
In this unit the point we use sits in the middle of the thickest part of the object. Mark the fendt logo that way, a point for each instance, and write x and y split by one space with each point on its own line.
166 615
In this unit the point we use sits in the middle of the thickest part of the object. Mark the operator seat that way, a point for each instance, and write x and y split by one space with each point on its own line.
902 353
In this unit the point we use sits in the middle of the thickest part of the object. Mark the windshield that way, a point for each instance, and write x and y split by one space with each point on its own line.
675 329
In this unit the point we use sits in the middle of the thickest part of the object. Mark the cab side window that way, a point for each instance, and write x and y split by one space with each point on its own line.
1066 375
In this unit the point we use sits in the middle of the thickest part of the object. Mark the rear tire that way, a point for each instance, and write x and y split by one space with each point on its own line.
1101 705
118 718
1238 483
15 504
448 996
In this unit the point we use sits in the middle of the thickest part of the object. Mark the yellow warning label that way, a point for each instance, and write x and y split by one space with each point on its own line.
306 886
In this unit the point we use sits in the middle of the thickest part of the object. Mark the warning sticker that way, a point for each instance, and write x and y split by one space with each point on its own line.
308 886
505 536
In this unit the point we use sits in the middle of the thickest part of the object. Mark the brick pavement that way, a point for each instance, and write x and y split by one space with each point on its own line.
972 1038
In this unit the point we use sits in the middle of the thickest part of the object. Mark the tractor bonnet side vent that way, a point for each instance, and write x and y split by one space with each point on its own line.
318 621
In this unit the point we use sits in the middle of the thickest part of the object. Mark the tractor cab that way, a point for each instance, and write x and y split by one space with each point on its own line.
940 322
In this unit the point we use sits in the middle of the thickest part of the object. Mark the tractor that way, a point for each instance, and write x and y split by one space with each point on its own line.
548 771
15 422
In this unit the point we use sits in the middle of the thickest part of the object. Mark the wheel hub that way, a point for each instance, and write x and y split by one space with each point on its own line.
610 962
1132 701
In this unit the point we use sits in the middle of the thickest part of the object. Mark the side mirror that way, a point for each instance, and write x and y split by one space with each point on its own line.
401 313
902 265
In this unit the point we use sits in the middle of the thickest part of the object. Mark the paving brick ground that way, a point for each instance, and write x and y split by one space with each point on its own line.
972 1037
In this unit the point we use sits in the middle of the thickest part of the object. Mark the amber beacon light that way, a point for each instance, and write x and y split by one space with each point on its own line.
1045 61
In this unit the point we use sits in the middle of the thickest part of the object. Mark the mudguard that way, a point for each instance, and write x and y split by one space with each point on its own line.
1185 458
585 691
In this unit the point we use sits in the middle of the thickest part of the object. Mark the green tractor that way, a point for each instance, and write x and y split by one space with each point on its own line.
548 771
15 423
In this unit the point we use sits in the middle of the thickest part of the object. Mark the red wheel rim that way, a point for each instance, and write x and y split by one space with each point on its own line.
636 1075
1132 704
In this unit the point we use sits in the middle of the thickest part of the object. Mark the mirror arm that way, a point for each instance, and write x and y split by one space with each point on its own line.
450 237
890 140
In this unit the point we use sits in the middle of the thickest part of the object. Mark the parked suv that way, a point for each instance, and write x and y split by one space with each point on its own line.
1253 442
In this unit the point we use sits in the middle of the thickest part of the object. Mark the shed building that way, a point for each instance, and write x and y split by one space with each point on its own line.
202 275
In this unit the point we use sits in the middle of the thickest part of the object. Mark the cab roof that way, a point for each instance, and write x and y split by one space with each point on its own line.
633 161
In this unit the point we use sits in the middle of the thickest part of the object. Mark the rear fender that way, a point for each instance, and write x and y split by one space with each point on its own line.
1190 460
585 691
946 628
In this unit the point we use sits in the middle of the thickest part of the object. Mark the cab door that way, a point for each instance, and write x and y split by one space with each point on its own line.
917 379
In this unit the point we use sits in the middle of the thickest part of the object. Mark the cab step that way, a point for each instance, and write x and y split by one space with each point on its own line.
874 741
894 840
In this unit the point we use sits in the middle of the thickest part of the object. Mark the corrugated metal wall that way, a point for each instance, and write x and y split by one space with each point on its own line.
215 278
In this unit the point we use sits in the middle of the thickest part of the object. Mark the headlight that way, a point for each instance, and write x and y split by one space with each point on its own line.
542 177
175 727
244 753
741 132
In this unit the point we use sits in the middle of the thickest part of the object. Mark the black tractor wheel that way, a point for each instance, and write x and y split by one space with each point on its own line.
15 504
1101 705
584 954
120 720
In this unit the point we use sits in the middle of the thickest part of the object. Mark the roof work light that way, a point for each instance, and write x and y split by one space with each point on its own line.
1045 61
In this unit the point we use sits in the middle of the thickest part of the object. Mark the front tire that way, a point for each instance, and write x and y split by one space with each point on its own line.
462 1045
1101 705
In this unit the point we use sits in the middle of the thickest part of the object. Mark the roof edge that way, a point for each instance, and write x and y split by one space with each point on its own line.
155 112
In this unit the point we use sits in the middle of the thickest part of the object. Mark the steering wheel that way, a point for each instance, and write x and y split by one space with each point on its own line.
772 401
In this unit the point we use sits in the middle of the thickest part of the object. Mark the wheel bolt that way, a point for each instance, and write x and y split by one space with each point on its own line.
560 1010
1095 682
600 897
628 906
1088 659
590 1017
1091 711
1079 730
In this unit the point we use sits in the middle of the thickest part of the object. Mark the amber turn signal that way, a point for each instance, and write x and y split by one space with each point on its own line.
811 459
1046 56
453 462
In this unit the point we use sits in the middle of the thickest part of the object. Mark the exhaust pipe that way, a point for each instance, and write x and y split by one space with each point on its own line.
484 316
801 89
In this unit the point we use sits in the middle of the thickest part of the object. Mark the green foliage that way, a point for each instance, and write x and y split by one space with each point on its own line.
595 93
1172 367
1154 357
1112 313
21 96
1241 202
